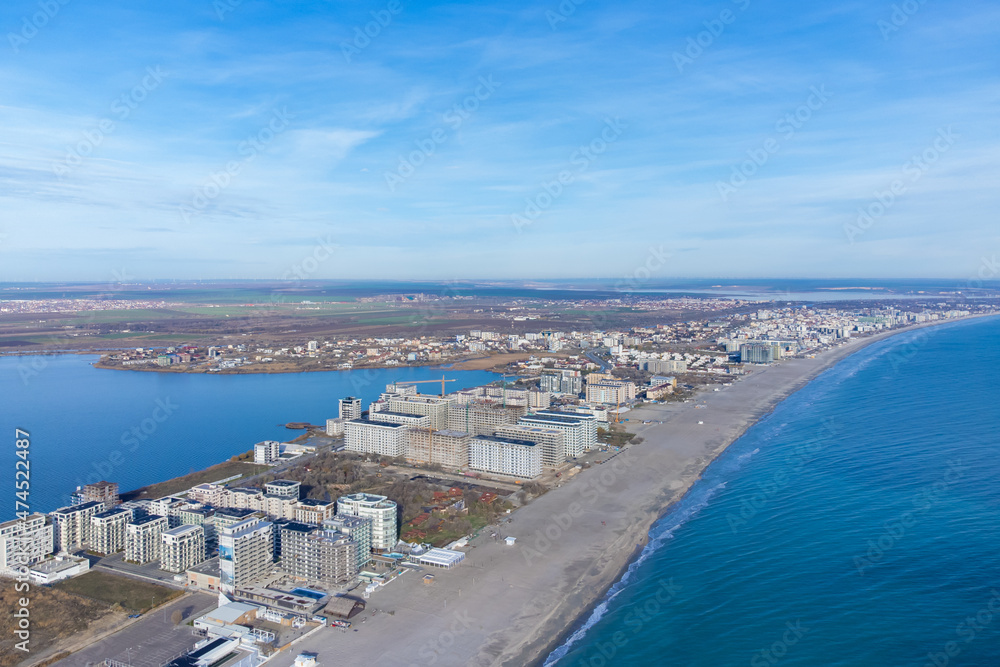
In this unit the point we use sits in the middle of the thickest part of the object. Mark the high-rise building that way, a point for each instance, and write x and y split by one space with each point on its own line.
756 353
107 530
435 407
142 538
561 382
246 551
610 392
318 555
369 437
102 492
449 449
505 456
71 525
335 427
549 440
266 452
24 543
313 511
576 429
483 418
204 517
284 487
183 547
380 510
359 529
350 408
406 419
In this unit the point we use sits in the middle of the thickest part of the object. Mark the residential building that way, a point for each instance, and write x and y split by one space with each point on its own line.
142 538
435 407
318 555
576 429
483 418
24 543
756 353
410 420
359 529
183 547
72 525
505 456
208 494
204 517
228 516
335 427
369 437
314 512
447 448
561 382
350 408
246 551
549 440
380 510
284 487
102 492
107 530
610 392
267 452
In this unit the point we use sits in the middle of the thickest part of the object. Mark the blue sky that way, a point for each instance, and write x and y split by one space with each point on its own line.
229 139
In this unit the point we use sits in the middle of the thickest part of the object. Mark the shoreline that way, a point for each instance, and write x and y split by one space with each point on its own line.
516 605
832 357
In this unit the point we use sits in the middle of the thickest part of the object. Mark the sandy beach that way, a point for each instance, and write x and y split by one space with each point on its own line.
513 605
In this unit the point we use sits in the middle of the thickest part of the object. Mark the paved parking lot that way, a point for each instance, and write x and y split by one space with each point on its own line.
150 641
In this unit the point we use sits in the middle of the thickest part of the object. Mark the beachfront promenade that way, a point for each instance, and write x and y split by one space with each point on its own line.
513 605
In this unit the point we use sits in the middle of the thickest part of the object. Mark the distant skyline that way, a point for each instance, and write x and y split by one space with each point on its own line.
237 139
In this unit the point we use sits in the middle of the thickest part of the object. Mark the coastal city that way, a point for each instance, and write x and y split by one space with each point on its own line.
288 552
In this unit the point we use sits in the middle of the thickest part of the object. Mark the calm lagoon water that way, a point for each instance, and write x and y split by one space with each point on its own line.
81 418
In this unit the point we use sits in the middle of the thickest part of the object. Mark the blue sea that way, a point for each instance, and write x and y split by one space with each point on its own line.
857 525
137 428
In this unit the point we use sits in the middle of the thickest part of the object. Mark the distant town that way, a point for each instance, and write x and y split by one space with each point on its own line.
304 534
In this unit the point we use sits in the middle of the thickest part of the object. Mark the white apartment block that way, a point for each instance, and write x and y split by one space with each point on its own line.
549 440
505 456
435 407
610 392
382 438
380 510
183 547
208 494
350 408
72 525
314 512
246 551
359 529
575 429
406 419
284 487
107 531
24 543
483 418
142 538
267 452
448 448
335 427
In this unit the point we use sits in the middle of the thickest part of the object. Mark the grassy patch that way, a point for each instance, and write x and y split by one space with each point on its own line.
130 594
185 482
55 615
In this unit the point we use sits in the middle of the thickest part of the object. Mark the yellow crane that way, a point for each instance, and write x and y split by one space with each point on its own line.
442 381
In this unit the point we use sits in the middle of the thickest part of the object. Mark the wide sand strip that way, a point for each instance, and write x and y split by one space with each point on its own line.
514 605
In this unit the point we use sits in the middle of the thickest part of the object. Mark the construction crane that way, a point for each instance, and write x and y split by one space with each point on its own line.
442 381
